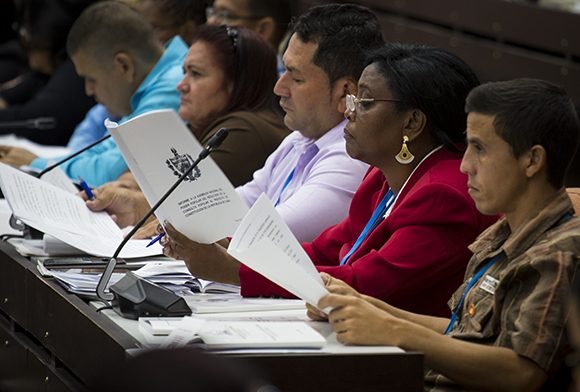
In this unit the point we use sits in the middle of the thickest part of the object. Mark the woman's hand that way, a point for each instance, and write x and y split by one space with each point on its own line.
206 261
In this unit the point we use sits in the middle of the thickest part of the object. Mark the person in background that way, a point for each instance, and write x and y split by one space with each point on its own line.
507 331
228 81
310 174
128 70
169 18
269 18
52 88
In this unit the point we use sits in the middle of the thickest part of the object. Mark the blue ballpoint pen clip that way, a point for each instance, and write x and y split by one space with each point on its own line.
87 189
156 239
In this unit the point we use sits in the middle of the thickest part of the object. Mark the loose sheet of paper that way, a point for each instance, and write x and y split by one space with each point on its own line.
264 243
65 216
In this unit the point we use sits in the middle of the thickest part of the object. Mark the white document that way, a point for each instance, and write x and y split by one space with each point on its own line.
264 243
66 217
234 303
158 148
59 179
216 335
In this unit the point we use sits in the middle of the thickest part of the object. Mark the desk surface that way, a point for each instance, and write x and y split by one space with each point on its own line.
53 340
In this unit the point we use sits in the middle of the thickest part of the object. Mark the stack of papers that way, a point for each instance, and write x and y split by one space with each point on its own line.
170 274
227 335
233 303
78 282
175 276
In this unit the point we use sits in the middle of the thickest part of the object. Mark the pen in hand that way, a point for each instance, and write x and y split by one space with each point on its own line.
155 239
87 189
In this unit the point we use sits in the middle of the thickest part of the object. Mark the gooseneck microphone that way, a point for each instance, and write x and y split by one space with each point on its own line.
213 143
71 156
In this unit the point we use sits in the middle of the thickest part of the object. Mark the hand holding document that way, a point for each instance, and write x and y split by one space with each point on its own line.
264 243
65 216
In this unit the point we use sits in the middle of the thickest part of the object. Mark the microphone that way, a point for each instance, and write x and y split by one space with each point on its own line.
213 143
37 124
71 156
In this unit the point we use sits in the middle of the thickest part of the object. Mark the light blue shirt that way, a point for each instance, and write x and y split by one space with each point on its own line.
91 129
104 162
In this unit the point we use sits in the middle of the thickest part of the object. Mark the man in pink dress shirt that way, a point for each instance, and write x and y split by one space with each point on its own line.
310 177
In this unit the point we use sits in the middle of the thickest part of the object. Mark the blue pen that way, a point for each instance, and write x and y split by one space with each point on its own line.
156 239
87 189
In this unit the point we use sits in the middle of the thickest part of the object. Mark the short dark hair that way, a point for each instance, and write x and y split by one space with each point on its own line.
279 10
248 61
344 33
432 80
531 112
109 27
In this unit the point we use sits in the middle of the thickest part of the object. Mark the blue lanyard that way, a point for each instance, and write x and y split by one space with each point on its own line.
373 222
474 280
471 283
288 179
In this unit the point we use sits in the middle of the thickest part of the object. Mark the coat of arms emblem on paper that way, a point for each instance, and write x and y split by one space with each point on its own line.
180 163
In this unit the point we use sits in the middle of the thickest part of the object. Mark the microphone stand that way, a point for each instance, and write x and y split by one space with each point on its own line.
214 142
71 156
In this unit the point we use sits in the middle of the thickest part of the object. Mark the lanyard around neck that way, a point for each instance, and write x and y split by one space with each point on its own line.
288 179
382 208
471 283
478 276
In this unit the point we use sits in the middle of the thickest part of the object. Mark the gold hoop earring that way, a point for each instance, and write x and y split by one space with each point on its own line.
404 156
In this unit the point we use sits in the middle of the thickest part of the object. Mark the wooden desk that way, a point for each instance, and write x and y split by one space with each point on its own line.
54 341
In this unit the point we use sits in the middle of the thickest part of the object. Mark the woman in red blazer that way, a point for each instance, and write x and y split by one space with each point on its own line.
405 238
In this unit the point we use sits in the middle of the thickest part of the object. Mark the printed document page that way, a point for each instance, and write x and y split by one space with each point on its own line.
265 244
217 335
205 206
65 216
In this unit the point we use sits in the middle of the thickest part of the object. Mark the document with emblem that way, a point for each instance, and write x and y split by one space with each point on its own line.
158 148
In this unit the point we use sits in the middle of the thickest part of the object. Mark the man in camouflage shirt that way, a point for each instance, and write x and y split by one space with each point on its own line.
507 330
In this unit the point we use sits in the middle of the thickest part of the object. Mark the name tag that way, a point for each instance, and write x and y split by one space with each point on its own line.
489 284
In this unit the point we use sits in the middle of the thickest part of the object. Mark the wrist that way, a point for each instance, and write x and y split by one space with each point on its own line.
401 332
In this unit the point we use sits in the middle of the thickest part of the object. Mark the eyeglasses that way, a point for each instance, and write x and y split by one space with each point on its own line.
352 102
225 16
